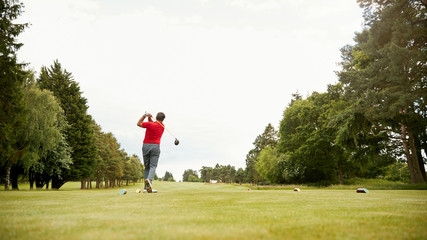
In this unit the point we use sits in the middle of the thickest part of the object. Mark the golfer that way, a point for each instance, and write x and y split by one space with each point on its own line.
151 147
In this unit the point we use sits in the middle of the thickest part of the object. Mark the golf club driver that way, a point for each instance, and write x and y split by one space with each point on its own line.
176 142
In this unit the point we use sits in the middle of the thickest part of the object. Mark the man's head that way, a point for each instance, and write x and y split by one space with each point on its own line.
160 116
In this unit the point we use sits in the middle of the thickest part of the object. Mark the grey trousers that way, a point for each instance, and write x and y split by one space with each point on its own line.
150 154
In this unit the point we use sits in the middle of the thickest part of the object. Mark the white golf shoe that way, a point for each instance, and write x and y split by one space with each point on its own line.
148 185
152 191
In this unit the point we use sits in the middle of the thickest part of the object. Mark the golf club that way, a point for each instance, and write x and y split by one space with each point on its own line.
176 142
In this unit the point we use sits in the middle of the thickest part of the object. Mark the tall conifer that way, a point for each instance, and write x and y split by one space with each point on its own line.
12 105
80 135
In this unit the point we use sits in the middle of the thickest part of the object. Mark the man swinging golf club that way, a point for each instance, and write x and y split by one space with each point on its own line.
151 147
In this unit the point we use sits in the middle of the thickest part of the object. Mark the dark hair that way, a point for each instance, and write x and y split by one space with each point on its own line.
160 116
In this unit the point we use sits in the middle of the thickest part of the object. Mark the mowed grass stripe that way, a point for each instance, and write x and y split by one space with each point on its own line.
203 211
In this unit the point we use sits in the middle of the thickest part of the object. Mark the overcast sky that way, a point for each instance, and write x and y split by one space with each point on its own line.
220 70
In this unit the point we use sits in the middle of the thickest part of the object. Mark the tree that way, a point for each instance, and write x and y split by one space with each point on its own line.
132 169
268 165
307 138
47 155
268 138
384 74
206 174
188 173
12 105
168 177
113 163
240 175
193 178
80 135
101 154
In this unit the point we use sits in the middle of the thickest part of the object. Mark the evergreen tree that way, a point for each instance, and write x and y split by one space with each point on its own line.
168 177
206 174
385 74
240 175
79 135
12 105
188 173
112 161
268 138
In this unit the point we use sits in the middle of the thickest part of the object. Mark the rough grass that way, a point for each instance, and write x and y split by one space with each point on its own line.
200 211
371 184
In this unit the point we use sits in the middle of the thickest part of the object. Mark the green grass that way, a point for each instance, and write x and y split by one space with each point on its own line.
200 211
349 184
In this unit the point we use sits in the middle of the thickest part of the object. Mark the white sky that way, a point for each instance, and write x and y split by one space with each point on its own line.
220 70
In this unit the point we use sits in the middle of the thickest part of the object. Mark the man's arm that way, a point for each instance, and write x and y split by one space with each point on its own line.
139 124
150 118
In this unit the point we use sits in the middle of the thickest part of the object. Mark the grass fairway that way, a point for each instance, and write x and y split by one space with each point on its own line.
199 211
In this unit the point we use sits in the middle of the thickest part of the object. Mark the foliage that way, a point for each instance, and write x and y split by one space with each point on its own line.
384 75
307 138
193 178
220 173
240 175
79 135
132 168
190 176
113 165
206 173
268 138
397 172
46 134
168 177
12 105
268 165
47 155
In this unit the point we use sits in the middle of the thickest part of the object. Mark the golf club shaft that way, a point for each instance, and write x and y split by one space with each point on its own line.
162 125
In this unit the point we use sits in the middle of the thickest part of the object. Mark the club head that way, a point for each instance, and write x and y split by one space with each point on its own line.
176 142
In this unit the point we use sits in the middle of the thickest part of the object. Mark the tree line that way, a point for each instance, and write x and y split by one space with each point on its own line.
371 124
46 135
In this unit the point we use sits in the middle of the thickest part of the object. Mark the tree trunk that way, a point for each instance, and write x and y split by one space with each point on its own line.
39 181
57 183
47 184
82 184
88 184
7 182
340 176
31 178
408 154
418 175
419 147
14 174
411 155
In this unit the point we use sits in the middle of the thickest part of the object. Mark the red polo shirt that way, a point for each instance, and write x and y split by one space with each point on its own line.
154 132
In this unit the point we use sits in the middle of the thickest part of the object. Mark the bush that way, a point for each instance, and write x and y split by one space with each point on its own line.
397 172
193 178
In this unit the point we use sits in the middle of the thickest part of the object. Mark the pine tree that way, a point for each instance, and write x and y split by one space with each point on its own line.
385 74
79 134
12 105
